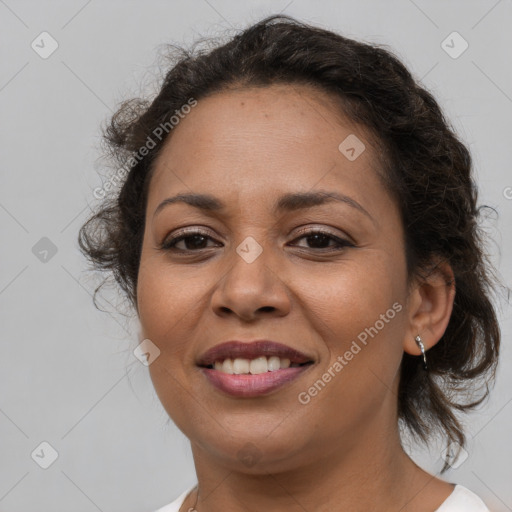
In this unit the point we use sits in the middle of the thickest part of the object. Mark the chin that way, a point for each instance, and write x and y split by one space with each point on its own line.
259 450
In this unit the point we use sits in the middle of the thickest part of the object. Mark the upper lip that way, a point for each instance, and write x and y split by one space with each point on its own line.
251 350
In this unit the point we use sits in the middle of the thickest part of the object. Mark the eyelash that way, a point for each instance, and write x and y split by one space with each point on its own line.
169 244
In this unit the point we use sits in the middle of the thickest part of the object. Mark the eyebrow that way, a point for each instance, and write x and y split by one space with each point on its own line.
288 202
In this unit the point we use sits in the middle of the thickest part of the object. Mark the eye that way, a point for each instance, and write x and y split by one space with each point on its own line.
193 240
197 240
320 239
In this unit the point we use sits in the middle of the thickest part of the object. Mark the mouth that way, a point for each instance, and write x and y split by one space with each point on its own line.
252 369
256 366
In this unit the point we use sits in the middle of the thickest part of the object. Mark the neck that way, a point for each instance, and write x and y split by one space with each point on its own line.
346 479
360 469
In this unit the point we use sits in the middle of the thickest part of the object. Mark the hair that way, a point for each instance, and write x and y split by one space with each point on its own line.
426 168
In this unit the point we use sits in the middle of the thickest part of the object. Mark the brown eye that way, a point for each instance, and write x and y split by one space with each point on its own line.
319 239
191 241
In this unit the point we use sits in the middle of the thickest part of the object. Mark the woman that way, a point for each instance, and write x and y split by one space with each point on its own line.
298 235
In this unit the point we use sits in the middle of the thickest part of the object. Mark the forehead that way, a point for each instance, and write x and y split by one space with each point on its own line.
252 140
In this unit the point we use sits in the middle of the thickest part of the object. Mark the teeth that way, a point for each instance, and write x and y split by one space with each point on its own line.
255 366
274 363
258 365
240 366
226 366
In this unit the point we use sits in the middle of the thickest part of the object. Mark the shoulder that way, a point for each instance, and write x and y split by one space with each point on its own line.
462 500
176 504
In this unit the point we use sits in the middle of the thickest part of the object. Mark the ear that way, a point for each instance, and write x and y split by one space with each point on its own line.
429 307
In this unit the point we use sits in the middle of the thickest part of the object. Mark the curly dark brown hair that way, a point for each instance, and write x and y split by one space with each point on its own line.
427 169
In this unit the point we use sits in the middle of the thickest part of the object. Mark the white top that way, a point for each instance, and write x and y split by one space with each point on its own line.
460 500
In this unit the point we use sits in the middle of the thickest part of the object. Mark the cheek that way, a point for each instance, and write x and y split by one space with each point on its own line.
166 307
348 300
360 315
164 298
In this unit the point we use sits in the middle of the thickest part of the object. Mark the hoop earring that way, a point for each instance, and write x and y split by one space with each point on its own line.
422 348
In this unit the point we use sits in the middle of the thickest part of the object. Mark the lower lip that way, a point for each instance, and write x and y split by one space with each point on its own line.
252 385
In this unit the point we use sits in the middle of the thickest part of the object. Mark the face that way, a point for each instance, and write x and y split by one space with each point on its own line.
326 278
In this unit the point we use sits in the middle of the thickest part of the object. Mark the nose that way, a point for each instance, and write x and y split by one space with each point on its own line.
250 289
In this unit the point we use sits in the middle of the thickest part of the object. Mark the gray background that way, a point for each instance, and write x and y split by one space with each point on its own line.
68 376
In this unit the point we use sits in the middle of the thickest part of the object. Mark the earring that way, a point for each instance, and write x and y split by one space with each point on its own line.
422 348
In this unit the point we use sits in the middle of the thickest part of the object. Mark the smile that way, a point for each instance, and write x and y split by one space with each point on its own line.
261 364
247 385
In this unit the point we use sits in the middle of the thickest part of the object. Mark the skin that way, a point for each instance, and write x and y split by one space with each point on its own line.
341 451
